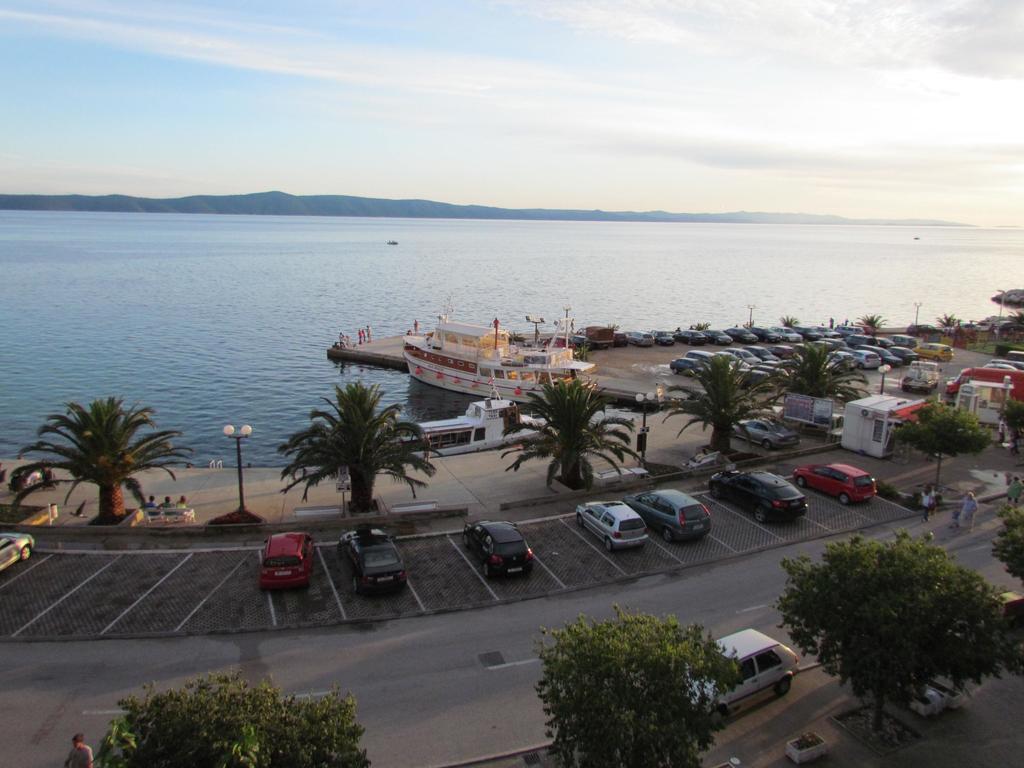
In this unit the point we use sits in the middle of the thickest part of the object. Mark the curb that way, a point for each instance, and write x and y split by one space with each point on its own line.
492 757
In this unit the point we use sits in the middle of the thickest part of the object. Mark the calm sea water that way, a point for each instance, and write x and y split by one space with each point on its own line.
225 319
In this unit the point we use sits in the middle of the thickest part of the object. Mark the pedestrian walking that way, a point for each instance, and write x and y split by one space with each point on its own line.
831 323
965 514
80 755
1013 493
928 502
369 335
1001 429
360 333
415 326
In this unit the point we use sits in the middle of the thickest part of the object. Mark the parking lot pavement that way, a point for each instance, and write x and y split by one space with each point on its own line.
118 594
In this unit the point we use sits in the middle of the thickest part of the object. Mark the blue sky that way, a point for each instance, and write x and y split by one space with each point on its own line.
859 108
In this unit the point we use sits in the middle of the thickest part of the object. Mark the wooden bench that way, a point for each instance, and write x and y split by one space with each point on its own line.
415 506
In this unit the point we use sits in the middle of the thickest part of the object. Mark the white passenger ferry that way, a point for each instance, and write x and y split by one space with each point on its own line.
480 429
475 359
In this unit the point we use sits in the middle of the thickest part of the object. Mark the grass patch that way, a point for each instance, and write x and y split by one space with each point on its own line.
11 516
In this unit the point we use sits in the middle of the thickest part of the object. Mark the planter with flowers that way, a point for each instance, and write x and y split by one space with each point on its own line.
805 748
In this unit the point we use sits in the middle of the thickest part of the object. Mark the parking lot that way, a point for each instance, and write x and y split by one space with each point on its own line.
109 594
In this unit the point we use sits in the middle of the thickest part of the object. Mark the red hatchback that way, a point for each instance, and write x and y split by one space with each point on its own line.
841 480
286 561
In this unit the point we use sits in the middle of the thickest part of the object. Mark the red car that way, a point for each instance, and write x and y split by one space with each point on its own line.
286 561
841 480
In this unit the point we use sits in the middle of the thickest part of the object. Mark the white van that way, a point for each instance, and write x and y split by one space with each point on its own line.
765 664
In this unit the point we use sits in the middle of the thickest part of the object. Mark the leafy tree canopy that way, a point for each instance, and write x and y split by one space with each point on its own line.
632 692
1014 415
220 721
887 617
1009 543
942 431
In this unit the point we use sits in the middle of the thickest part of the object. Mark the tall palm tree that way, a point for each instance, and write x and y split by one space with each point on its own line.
354 434
788 321
873 323
100 444
575 429
815 372
728 398
947 322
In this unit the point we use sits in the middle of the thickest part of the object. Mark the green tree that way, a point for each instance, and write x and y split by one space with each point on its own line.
942 431
1009 543
873 323
947 322
788 321
815 372
727 398
356 434
632 692
888 617
700 326
575 428
102 444
1013 415
220 721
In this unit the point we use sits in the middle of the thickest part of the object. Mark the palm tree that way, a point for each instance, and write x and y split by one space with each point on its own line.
100 444
788 321
873 323
354 436
700 326
815 372
947 322
727 399
575 428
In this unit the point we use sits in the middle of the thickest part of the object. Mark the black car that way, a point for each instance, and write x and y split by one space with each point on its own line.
376 564
784 351
762 353
663 338
686 365
808 332
499 547
767 335
620 340
693 338
742 334
768 496
721 338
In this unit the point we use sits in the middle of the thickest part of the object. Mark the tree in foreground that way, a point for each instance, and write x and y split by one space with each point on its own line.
220 721
942 431
815 372
356 435
575 429
105 444
873 323
1013 415
632 692
727 398
888 617
1009 543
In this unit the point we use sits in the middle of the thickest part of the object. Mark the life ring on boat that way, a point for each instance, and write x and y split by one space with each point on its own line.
440 376
519 390
419 370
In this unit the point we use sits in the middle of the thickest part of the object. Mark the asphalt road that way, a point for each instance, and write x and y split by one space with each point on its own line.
424 694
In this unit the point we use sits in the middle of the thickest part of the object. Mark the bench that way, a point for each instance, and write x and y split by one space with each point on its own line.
169 515
623 475
415 506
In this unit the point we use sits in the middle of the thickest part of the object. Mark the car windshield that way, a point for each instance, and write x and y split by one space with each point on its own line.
863 480
282 561
510 547
631 524
380 556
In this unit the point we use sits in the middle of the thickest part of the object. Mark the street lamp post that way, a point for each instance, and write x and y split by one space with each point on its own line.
917 312
883 369
999 322
642 399
243 433
750 319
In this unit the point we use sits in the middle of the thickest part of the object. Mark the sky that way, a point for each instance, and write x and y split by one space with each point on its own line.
889 109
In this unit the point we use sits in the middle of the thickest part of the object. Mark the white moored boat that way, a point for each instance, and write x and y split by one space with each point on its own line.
476 358
481 429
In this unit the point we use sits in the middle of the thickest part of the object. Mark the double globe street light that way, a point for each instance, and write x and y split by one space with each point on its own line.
243 433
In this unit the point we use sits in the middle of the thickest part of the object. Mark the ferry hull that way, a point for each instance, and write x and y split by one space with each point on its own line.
469 383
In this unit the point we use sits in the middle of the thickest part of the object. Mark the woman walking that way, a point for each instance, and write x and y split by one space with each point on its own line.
928 502
1014 491
966 512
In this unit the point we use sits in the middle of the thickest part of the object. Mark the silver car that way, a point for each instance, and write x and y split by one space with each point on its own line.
614 523
15 547
676 514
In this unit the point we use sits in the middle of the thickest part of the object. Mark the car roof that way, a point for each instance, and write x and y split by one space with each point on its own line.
285 543
617 509
677 498
767 478
501 530
849 469
746 642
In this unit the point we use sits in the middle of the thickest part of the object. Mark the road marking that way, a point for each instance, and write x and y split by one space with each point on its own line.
715 538
104 712
752 608
69 594
664 549
750 521
146 593
550 572
474 570
513 664
330 581
270 602
209 595
408 583
26 570
822 525
310 694
594 547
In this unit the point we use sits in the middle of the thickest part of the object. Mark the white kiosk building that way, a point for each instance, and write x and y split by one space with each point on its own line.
870 423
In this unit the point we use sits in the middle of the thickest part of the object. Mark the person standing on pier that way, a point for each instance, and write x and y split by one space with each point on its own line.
369 336
360 334
415 326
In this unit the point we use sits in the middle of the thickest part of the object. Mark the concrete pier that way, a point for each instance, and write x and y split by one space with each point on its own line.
384 353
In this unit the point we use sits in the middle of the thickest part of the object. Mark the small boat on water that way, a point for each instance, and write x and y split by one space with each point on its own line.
482 428
392 242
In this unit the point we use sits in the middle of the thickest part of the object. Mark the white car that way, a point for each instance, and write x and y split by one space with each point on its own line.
786 334
613 522
15 547
866 359
765 664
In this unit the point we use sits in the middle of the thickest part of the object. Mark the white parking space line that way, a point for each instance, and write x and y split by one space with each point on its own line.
715 538
310 695
820 525
146 594
752 608
474 570
508 664
594 547
103 712
209 595
750 521
550 572
653 540
270 602
66 596
330 581
29 568
408 583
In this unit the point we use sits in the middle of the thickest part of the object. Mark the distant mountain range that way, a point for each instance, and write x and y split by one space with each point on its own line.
283 204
